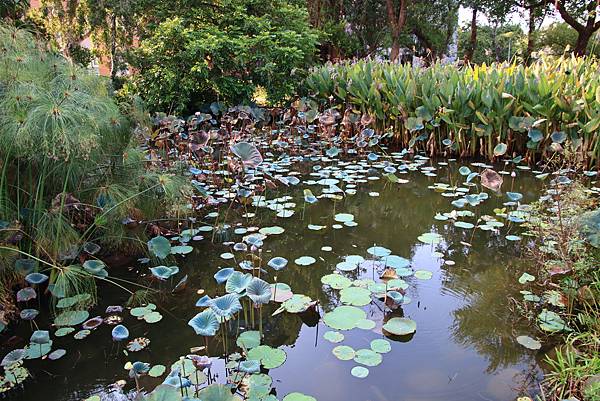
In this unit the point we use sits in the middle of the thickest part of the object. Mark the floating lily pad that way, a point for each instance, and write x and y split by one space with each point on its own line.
248 340
298 397
379 251
381 346
343 352
400 326
368 357
71 318
333 336
157 370
359 371
366 324
355 296
336 281
270 358
305 261
430 238
423 274
529 342
344 317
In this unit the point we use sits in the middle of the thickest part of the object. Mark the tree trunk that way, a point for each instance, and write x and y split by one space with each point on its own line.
530 32
473 39
396 22
583 39
113 48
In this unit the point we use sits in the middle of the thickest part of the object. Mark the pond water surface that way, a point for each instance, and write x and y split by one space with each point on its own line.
464 347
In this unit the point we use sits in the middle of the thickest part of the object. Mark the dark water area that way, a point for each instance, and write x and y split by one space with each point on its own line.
464 347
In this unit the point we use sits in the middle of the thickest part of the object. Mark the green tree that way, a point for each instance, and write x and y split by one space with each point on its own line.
581 15
494 43
559 37
224 53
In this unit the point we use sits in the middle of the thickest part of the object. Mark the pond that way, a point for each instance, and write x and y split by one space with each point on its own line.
457 287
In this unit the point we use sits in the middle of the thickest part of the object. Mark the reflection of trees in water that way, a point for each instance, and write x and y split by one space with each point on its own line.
485 322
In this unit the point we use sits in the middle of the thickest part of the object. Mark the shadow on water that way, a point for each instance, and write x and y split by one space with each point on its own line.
464 347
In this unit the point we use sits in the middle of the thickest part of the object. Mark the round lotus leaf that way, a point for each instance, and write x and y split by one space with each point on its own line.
529 342
343 352
270 358
423 274
305 261
397 284
366 324
336 281
35 351
379 251
275 230
157 371
354 259
430 238
343 217
57 354
346 266
344 317
214 392
355 296
360 371
159 247
298 397
260 379
333 336
71 318
400 326
248 340
463 224
81 334
63 331
396 262
381 346
227 255
368 357
153 317
297 303
404 272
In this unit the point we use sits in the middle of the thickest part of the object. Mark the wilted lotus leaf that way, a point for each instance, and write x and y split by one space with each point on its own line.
296 304
26 294
138 344
248 153
491 180
93 323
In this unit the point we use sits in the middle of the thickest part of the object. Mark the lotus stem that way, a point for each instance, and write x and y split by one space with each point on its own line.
206 345
260 329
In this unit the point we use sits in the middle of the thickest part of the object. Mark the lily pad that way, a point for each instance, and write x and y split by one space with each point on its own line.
381 346
333 336
344 317
355 296
270 358
529 343
343 352
368 357
248 340
359 371
305 261
400 326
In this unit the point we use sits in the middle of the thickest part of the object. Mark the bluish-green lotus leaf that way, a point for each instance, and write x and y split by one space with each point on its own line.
400 326
430 238
139 368
464 170
226 305
120 333
381 346
216 392
40 337
94 267
379 251
259 291
157 371
29 314
205 323
277 263
26 294
204 301
344 317
159 247
81 334
14 356
25 266
396 296
164 392
71 318
164 272
36 278
343 217
336 281
368 357
250 366
305 261
355 296
237 282
248 339
35 351
396 262
223 274
181 249
359 371
514 196
296 304
551 321
270 358
63 331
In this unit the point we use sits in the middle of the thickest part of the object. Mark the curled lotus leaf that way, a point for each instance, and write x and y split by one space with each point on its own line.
248 154
237 282
259 291
205 323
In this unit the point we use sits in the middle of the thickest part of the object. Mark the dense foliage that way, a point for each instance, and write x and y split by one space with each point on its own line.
488 110
225 55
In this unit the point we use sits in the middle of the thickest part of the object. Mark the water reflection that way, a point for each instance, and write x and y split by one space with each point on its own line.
463 349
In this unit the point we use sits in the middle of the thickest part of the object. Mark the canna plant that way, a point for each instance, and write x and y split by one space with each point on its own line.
495 110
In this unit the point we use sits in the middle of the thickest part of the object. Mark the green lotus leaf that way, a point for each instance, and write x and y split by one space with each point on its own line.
381 346
368 357
270 358
355 296
359 371
159 247
298 397
336 281
529 342
71 318
248 340
400 326
343 352
344 317
333 336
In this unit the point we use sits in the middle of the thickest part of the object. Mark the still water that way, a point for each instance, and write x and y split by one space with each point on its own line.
464 347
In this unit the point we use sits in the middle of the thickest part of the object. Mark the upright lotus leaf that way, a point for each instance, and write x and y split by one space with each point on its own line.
95 267
14 356
248 154
248 339
36 278
237 282
159 247
120 333
270 358
226 305
205 323
223 274
215 392
259 291
500 149
309 197
25 266
139 368
400 326
277 263
250 366
26 294
29 314
204 301
35 351
514 196
164 272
